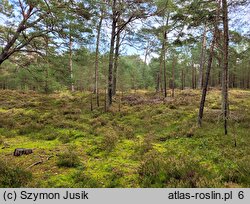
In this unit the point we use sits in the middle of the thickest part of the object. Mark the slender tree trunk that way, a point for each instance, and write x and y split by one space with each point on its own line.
111 54
159 81
210 60
225 64
219 73
219 76
117 46
96 89
165 38
159 74
205 86
164 64
182 79
46 86
71 63
193 76
235 77
173 79
105 100
91 102
202 58
145 65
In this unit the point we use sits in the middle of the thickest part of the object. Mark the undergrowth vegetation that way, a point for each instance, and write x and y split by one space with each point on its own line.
13 176
147 142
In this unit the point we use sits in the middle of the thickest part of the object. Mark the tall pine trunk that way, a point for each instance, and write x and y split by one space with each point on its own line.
145 65
193 75
111 54
225 64
164 63
117 46
173 79
202 57
165 38
159 74
46 81
96 89
71 63
210 60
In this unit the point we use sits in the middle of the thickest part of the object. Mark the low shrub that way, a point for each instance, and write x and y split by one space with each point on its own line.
244 172
147 143
47 133
30 128
68 159
12 176
110 139
82 180
126 131
64 138
99 122
158 171
237 172
172 106
151 171
50 137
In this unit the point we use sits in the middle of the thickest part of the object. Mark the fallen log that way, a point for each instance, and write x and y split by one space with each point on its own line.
21 151
39 162
36 163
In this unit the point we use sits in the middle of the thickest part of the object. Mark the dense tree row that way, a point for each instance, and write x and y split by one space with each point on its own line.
86 45
133 72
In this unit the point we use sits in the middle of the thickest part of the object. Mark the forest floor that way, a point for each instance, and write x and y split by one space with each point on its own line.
148 143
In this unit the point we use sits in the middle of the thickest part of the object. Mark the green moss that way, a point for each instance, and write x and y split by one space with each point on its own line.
143 145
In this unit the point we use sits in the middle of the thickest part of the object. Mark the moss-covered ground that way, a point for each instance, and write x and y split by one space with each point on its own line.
142 142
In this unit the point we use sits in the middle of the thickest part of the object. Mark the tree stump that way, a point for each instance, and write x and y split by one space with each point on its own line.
21 151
